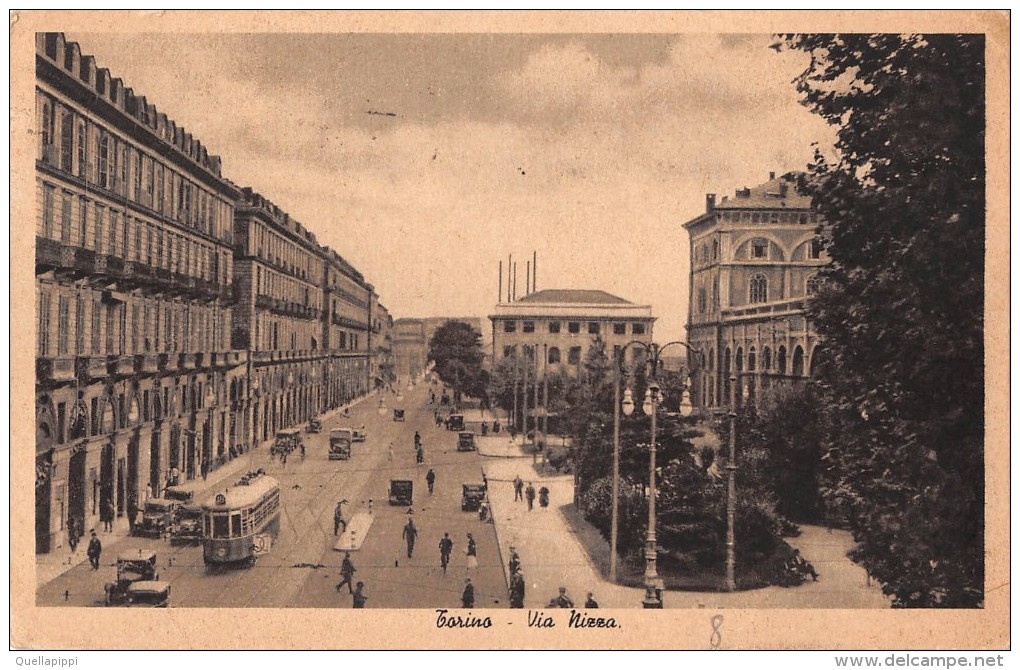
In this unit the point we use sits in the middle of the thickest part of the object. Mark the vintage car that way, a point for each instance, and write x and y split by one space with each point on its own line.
340 444
148 594
158 517
314 426
132 567
287 440
465 441
188 526
359 434
185 493
455 422
401 491
398 414
472 497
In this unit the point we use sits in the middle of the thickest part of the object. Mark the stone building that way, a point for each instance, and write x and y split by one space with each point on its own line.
133 296
346 330
409 347
754 266
560 325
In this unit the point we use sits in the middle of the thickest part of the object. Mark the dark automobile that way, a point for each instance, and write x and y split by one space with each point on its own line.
466 442
472 497
455 422
401 491
188 527
314 426
158 517
132 567
148 594
398 415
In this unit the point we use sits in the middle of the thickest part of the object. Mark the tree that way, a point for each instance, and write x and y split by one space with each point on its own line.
456 350
901 307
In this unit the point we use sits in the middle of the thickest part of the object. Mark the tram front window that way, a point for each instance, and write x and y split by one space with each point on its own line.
235 524
221 529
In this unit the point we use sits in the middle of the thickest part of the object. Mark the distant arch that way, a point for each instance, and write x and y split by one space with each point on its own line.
798 362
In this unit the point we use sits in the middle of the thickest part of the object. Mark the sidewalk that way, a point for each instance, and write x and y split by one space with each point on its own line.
552 555
54 564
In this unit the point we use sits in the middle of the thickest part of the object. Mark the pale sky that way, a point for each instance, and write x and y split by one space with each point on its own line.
590 149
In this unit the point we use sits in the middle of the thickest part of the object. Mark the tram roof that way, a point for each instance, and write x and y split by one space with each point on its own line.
241 495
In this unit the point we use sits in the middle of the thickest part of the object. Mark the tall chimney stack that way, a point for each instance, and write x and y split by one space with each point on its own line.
515 283
709 202
509 274
534 271
499 296
527 278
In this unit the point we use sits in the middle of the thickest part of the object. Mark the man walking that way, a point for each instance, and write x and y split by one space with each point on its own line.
562 600
518 489
529 493
338 517
95 550
347 571
445 549
410 533
515 561
467 598
472 553
517 590
430 479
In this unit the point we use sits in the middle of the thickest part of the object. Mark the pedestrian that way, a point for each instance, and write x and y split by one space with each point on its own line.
417 439
495 426
472 553
430 479
517 590
347 571
518 489
108 514
445 549
283 457
148 492
359 596
409 534
419 456
529 493
513 433
175 476
485 482
72 534
95 550
467 598
562 600
515 561
389 452
543 497
132 511
590 602
338 517
802 567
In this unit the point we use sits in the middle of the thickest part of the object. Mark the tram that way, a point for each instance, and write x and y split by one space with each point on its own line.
240 523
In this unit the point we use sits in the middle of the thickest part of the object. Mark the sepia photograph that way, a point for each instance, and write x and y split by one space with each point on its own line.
449 314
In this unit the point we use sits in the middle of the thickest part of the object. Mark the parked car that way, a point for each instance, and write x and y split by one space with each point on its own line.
314 426
148 594
398 414
455 422
158 517
401 491
466 441
132 567
188 526
359 434
340 444
472 497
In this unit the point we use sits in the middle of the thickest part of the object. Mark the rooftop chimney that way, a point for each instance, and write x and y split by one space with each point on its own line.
709 202
772 175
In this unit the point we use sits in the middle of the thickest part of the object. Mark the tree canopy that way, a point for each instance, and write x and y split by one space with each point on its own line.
901 307
456 350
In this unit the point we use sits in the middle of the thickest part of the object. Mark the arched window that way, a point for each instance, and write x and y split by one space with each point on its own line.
78 423
715 249
104 160
759 289
766 359
740 359
554 355
702 305
47 126
574 356
798 362
752 359
813 283
704 253
781 360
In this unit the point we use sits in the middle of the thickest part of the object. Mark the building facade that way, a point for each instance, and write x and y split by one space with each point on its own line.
754 266
133 295
560 325
180 320
409 347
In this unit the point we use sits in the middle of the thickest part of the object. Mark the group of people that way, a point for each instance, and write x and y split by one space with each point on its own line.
522 493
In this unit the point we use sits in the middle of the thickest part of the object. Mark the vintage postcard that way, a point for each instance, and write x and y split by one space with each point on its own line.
566 330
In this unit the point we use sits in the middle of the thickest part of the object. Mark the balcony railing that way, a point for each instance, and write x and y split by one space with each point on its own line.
120 366
146 363
55 370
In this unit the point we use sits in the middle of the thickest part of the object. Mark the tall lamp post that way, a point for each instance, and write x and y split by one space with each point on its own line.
731 487
653 584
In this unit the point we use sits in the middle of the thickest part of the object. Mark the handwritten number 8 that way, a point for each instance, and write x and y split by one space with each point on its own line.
716 638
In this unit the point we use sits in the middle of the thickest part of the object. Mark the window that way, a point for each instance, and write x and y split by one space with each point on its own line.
554 326
617 352
79 325
703 256
814 282
104 159
574 356
109 329
100 212
113 232
638 329
508 352
715 293
63 324
815 249
574 327
49 193
65 217
134 328
759 289
593 327
83 222
781 360
759 248
554 355
44 324
701 301
509 326
619 329
715 250
528 327
96 326
220 526
82 149
67 142
47 126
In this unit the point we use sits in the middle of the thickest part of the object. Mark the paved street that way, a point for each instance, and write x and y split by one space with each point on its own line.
302 568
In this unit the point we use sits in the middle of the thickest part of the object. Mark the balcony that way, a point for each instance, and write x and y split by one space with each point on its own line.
54 370
168 362
146 363
48 255
120 366
236 358
90 368
187 362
